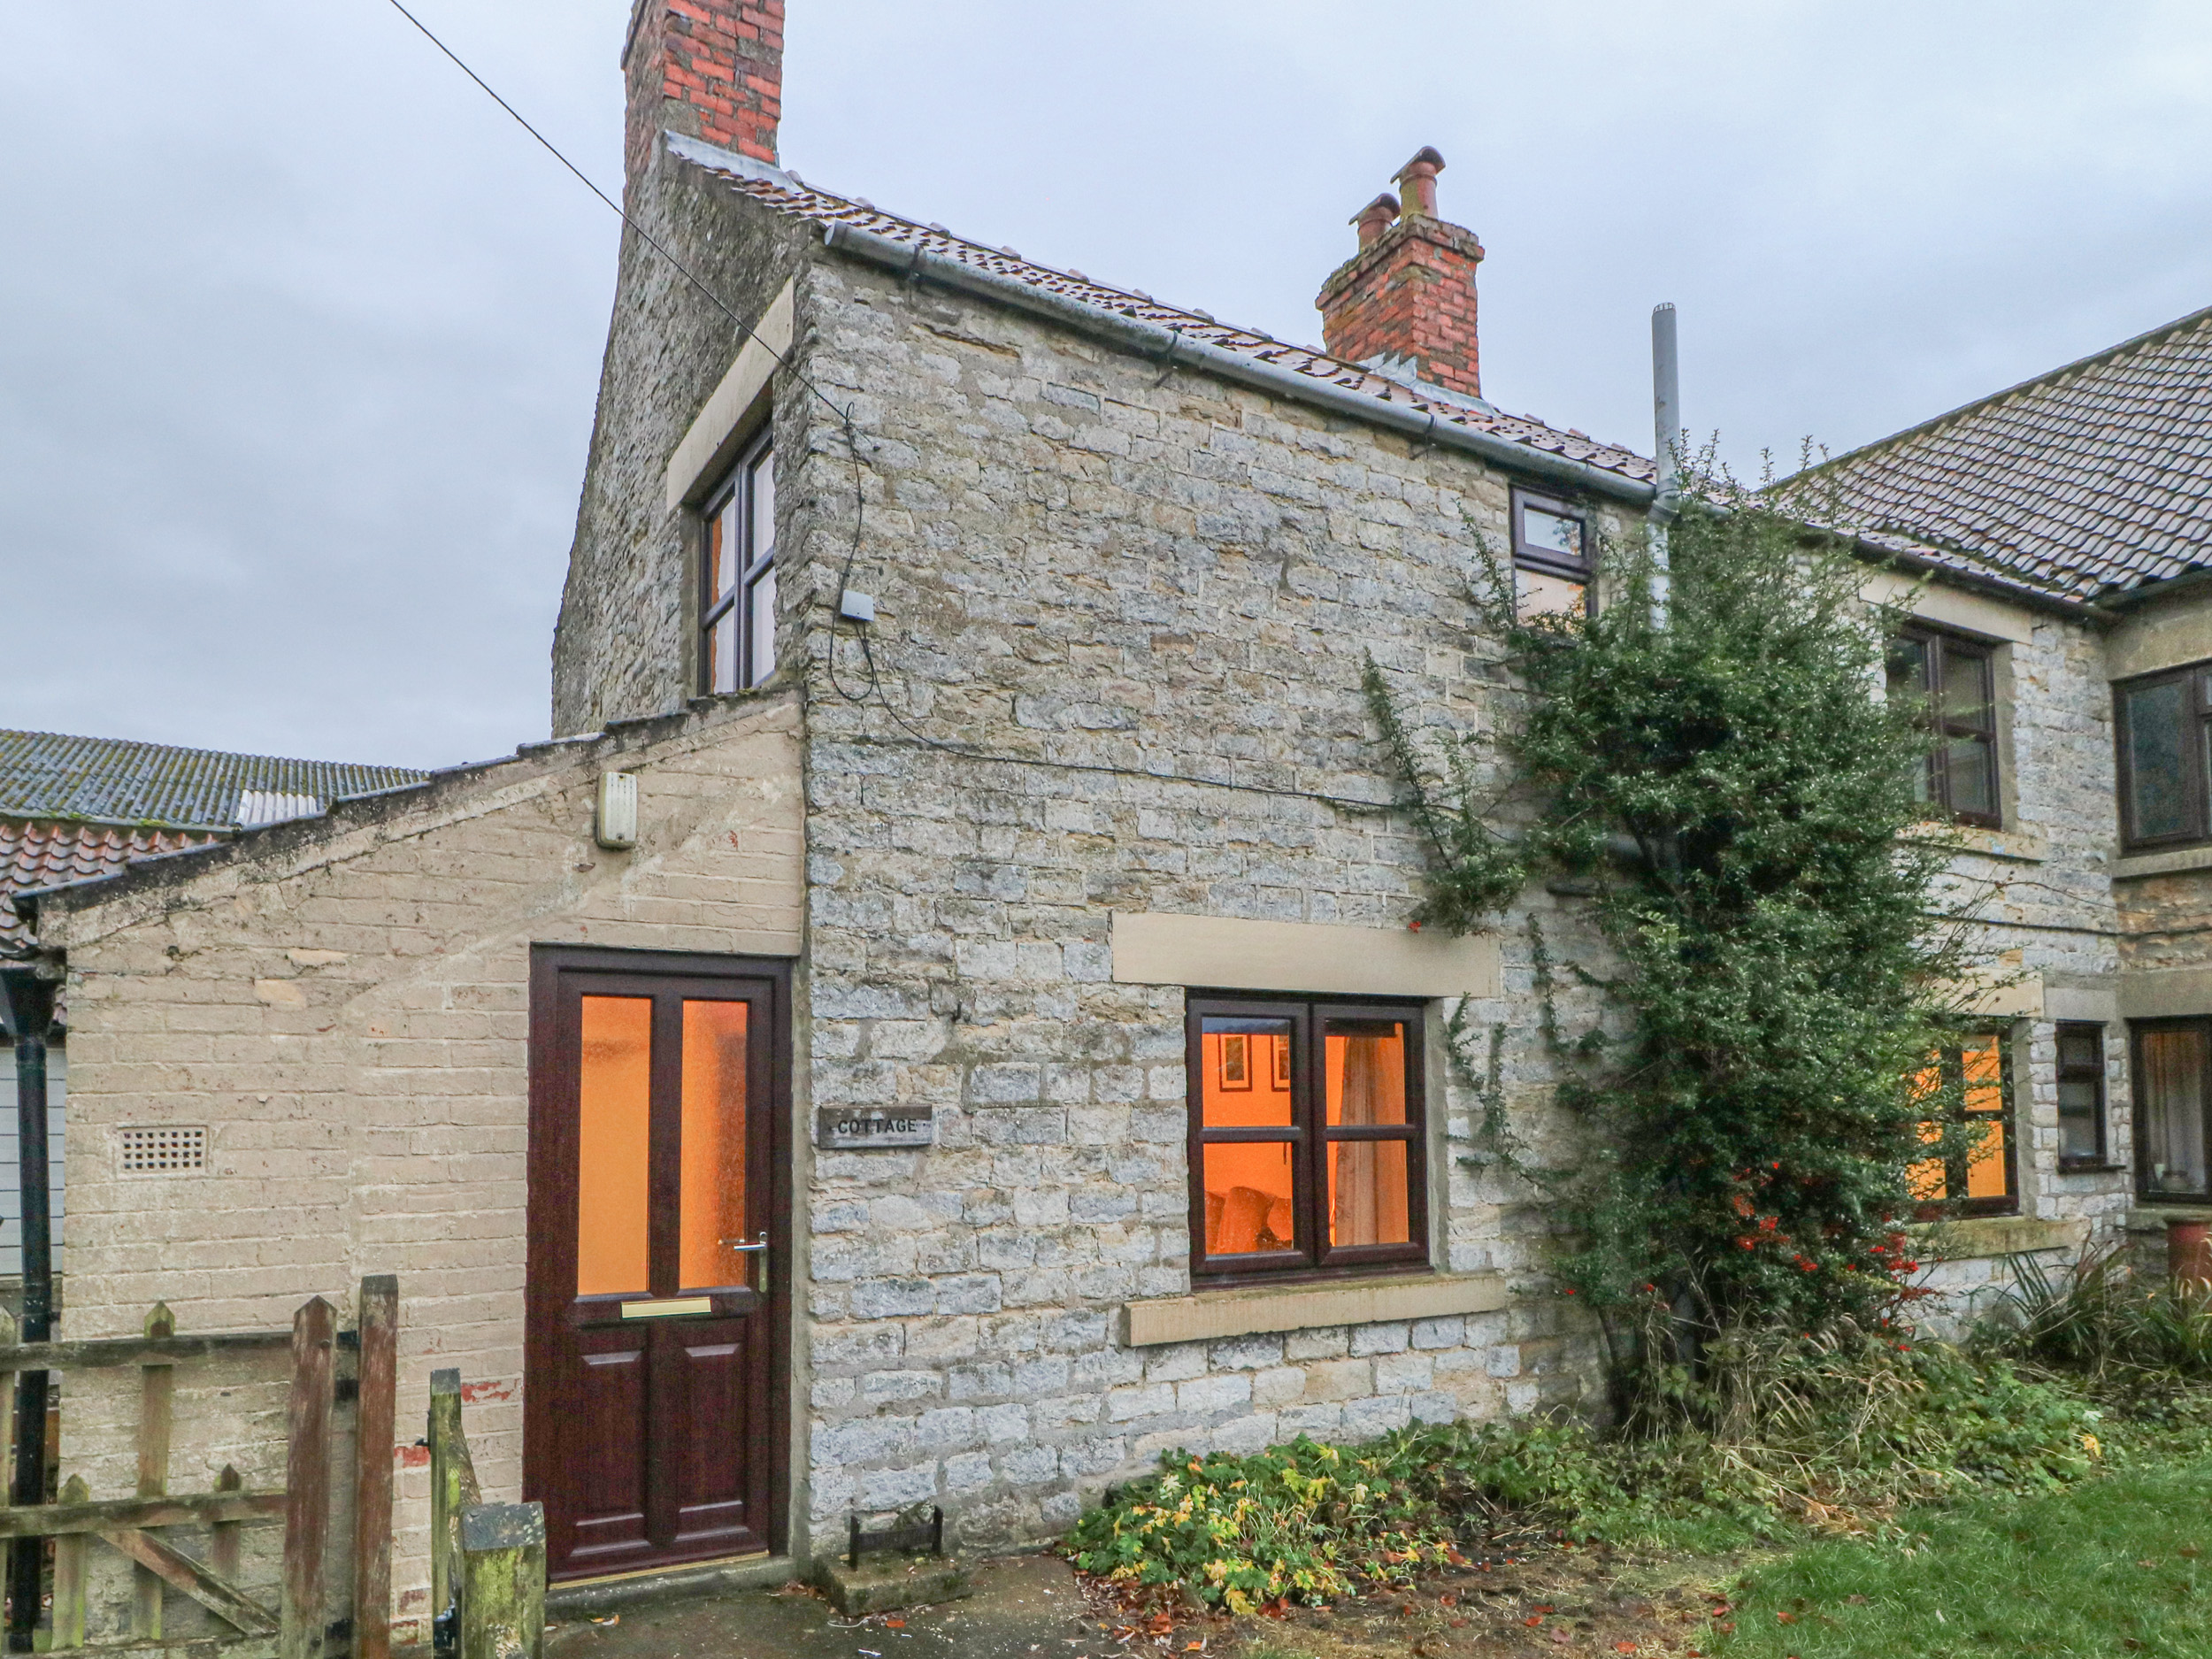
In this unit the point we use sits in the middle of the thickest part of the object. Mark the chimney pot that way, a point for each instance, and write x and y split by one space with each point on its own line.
1375 217
1418 180
1404 304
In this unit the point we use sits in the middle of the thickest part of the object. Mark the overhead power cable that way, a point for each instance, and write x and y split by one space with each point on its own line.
843 414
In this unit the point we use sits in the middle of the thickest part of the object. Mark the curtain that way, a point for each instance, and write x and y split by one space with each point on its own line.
1369 1204
2173 1109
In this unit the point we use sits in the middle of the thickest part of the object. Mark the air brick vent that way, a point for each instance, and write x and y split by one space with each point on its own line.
169 1149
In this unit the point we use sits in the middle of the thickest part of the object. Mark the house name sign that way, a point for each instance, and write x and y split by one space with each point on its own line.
856 1128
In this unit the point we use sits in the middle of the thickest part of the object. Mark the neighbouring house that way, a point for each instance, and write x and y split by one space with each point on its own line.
75 809
940 1025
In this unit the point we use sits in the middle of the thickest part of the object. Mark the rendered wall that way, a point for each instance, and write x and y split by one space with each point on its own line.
343 1004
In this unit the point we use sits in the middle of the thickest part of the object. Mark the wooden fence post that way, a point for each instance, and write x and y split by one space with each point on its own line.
69 1586
373 1470
222 1537
157 1386
503 1581
445 1484
307 1480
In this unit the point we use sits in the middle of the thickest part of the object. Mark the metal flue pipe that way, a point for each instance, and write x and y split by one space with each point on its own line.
1666 423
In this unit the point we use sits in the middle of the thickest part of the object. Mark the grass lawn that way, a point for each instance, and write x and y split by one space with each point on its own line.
2114 1566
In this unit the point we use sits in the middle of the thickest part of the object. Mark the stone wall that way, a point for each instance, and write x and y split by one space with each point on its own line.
1122 622
623 646
343 1004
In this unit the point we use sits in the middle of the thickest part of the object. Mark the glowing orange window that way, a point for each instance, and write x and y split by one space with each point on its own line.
1967 1085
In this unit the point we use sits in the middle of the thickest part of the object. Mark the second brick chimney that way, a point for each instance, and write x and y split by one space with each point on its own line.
1405 302
710 69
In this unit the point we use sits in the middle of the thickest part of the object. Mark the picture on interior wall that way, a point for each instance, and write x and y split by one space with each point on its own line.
1282 1063
1236 1060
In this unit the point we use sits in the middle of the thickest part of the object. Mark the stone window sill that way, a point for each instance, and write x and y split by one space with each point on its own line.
1214 1315
1979 1236
2149 1218
2178 862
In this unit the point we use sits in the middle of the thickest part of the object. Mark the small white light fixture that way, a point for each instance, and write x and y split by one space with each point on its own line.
856 607
615 828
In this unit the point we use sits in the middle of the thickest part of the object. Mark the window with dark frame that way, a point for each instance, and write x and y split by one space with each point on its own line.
2081 1133
1307 1121
1972 1079
2162 723
1957 679
1553 561
2173 1077
737 608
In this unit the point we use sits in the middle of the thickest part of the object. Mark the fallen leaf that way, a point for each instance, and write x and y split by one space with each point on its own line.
612 1619
1534 1620
894 1624
2188 1552
1855 1600
1785 1616
1623 1647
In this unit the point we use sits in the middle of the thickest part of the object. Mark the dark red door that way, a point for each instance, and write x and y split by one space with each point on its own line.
653 1408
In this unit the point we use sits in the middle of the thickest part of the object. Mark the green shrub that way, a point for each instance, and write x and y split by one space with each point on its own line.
2101 1318
1834 1432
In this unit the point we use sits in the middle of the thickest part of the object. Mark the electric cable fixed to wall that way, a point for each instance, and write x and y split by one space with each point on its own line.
842 413
860 501
839 610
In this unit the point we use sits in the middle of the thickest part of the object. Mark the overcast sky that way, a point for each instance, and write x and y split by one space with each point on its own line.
299 336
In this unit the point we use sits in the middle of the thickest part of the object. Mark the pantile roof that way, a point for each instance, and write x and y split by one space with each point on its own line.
42 853
77 808
788 193
108 780
2093 478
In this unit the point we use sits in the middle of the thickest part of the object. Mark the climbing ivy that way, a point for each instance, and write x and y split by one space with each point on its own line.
1731 795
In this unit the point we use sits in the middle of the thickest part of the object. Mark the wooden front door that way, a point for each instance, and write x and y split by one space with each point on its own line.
654 1398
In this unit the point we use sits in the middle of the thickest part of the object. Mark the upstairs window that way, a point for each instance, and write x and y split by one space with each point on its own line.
1306 1136
737 610
1969 1081
2161 724
1553 560
1955 680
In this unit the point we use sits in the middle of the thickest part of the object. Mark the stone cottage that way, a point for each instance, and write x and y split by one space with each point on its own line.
943 1027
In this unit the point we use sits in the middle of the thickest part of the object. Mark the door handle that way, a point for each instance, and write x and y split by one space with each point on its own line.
759 1247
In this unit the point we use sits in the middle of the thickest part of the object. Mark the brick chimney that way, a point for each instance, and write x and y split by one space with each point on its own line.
1405 302
710 69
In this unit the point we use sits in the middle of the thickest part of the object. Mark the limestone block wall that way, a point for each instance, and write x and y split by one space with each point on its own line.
1123 618
342 1002
623 648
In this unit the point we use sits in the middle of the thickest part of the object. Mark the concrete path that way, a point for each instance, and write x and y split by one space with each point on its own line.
1025 1607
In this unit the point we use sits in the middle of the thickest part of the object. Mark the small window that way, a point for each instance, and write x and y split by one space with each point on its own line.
1956 680
1552 555
1306 1136
1972 1078
2081 1095
737 610
2173 1058
2162 732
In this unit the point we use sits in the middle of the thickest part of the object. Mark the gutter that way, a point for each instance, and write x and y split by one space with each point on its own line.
2026 598
1166 347
2151 592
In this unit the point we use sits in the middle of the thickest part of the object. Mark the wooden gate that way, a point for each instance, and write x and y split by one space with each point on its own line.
327 1365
